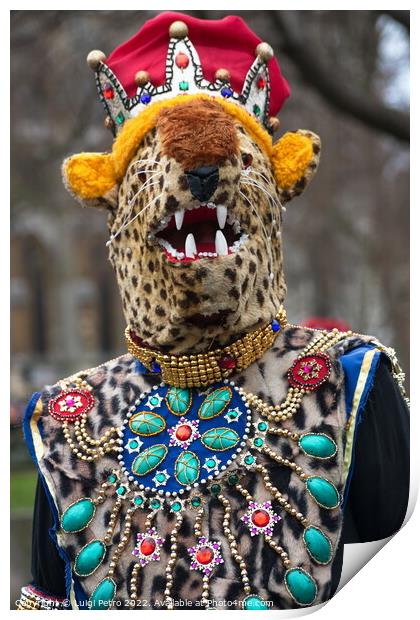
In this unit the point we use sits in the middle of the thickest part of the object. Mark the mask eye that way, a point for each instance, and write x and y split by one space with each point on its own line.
247 159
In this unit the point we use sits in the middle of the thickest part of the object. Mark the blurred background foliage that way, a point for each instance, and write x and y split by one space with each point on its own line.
346 240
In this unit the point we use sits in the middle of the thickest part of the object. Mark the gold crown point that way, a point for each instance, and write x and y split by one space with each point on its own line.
264 51
94 58
141 78
223 75
178 30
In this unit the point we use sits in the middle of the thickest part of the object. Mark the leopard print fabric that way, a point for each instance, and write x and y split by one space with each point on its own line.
116 385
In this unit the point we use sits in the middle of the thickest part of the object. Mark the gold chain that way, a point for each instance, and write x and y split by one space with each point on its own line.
204 369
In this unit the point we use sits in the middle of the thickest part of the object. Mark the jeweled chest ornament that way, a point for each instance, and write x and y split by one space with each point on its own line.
310 371
179 447
71 404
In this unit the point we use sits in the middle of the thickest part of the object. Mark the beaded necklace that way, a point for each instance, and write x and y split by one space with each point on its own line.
187 482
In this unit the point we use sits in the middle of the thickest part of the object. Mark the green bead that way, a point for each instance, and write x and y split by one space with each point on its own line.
220 439
121 490
257 110
211 462
176 506
149 459
89 558
103 594
183 85
160 477
258 442
187 468
262 426
318 445
138 501
254 603
155 504
324 492
215 489
196 501
147 423
301 586
112 478
78 516
215 403
133 444
179 400
249 459
317 544
233 479
154 400
120 118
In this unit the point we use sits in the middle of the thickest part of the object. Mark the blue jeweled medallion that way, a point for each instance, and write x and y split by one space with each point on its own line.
190 449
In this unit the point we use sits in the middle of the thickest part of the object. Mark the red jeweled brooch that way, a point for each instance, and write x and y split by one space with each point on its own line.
309 371
70 404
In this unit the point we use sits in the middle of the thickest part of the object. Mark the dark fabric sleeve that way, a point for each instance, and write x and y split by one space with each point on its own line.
48 569
379 488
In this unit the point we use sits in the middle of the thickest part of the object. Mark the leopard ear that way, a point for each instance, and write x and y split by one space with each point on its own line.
295 160
91 179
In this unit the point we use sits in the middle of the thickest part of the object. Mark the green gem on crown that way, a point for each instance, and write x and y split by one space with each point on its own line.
184 85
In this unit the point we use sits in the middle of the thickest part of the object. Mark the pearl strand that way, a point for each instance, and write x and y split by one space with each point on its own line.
168 571
233 544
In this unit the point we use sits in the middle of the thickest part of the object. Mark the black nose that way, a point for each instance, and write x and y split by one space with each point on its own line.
203 182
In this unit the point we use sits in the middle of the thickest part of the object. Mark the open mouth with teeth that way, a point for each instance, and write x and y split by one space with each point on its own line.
206 231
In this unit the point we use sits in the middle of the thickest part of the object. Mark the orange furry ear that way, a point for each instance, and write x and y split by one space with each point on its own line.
90 178
295 159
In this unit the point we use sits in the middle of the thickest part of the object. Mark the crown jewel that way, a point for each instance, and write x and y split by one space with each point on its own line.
184 75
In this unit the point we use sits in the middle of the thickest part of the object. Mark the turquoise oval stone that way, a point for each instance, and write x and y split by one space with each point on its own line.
323 492
318 445
254 603
215 403
220 438
149 459
78 516
146 423
103 594
89 558
317 544
178 400
301 586
187 468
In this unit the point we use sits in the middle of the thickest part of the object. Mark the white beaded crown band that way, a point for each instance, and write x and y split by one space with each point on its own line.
184 75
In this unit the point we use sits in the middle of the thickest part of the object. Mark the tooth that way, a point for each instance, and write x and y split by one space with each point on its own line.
221 215
221 244
179 218
190 247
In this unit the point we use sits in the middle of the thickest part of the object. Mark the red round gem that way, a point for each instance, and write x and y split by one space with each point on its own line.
181 60
227 363
310 371
109 93
261 83
70 404
147 546
260 518
183 432
204 555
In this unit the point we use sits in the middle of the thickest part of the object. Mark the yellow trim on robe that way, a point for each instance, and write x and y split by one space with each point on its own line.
351 424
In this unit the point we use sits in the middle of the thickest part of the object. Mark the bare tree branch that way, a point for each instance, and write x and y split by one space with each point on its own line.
359 105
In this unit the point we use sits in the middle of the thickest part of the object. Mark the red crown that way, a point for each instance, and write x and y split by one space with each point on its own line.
160 62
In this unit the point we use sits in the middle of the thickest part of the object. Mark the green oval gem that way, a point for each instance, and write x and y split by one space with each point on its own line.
89 558
233 479
178 400
215 403
112 478
324 492
138 500
187 468
146 423
103 594
318 445
220 438
301 586
215 489
254 603
176 506
317 544
258 442
78 516
262 426
155 504
249 459
196 501
149 459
